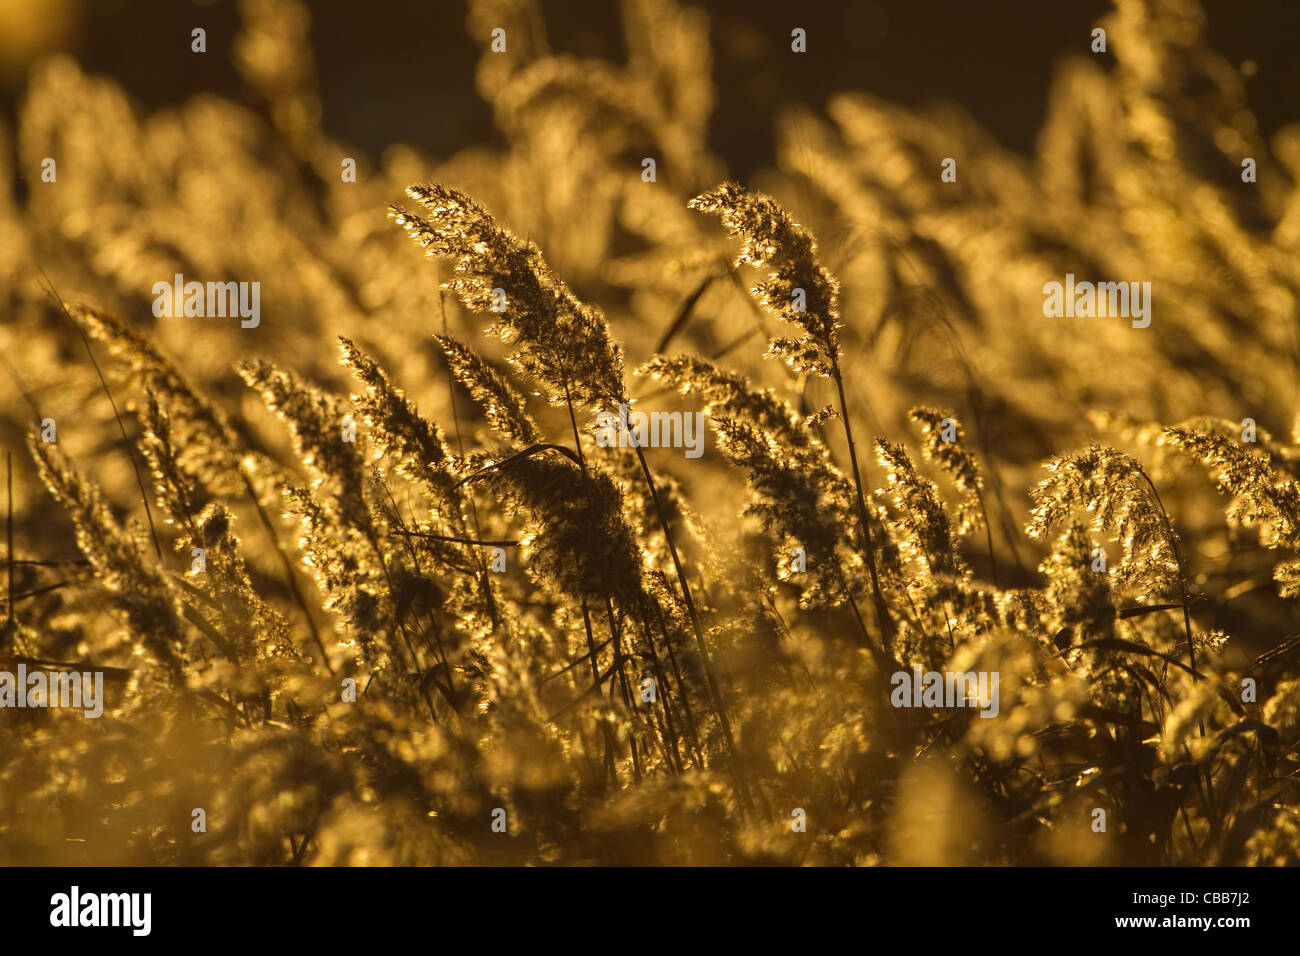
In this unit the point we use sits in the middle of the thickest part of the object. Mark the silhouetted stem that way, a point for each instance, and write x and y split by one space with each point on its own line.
715 693
884 619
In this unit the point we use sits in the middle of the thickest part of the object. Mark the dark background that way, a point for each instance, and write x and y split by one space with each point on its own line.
403 70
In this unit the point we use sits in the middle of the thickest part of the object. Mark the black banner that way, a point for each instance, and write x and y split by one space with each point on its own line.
278 906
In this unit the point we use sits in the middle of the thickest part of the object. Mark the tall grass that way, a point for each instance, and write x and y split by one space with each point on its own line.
429 593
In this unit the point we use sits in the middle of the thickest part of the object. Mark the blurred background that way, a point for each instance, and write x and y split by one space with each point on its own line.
994 59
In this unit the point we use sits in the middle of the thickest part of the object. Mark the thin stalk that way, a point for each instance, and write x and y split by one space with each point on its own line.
130 447
667 729
454 539
691 726
485 581
36 593
1182 584
884 619
9 531
432 627
71 562
610 767
1187 624
714 692
988 534
620 659
290 574
615 632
